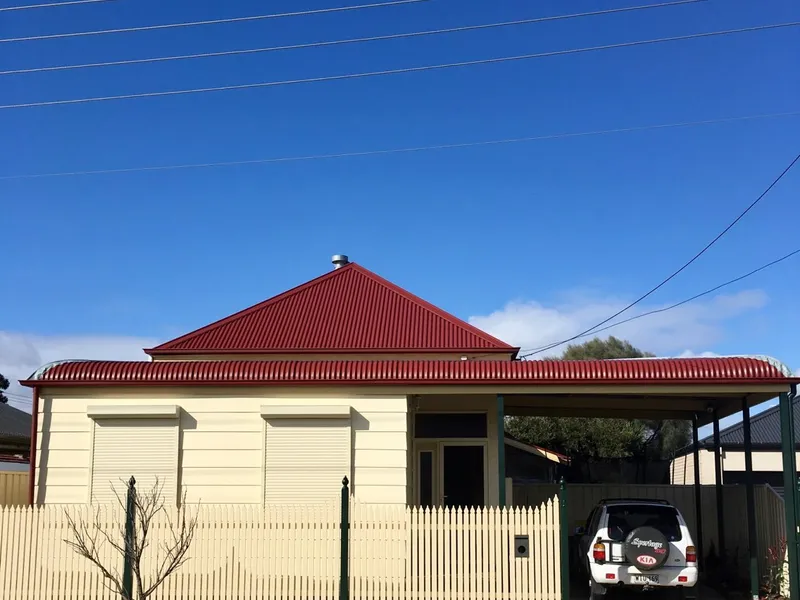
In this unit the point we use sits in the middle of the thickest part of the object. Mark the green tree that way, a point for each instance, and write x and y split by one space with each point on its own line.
3 387
603 438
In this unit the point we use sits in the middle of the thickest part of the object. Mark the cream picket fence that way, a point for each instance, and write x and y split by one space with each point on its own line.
293 552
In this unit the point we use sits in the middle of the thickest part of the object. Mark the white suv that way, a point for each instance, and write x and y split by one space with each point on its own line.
640 543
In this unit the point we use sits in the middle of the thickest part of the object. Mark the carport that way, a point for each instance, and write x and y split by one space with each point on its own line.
702 391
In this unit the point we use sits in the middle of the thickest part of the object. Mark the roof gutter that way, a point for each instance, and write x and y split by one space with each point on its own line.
34 430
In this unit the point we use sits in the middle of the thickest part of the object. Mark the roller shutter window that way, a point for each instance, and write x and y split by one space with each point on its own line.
143 448
306 459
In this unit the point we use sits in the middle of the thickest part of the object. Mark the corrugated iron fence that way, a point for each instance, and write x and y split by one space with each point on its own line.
13 488
247 552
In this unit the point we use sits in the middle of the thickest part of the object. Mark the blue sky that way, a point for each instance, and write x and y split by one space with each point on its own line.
532 240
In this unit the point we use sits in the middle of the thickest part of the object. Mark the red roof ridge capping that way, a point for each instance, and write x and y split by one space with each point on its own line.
718 370
252 330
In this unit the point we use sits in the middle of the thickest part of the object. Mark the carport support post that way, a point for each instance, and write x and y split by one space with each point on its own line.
790 489
564 541
698 493
718 478
501 451
752 541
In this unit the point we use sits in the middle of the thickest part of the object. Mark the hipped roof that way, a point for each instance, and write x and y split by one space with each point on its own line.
348 310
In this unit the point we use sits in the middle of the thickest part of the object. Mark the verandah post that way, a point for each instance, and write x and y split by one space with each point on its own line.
344 576
130 519
564 530
501 451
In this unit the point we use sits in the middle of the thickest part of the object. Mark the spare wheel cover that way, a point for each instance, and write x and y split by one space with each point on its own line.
647 548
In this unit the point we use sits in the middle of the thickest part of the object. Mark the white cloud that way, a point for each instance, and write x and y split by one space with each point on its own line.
692 354
684 329
21 354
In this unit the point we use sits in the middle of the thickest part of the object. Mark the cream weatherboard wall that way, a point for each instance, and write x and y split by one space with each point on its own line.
221 441
682 468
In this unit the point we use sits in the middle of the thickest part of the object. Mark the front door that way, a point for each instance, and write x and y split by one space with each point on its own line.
463 482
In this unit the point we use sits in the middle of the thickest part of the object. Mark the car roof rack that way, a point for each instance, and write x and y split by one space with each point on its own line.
607 501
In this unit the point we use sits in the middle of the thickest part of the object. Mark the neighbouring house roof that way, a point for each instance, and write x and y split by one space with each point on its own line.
765 431
721 370
539 451
349 309
14 423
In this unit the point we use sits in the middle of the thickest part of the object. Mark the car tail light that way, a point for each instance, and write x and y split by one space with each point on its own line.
599 552
683 579
691 554
610 576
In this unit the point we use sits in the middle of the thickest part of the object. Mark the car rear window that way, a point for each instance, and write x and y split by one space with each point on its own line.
624 519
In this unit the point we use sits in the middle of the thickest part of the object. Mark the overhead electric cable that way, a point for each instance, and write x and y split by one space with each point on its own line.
50 5
672 306
377 38
675 273
366 74
302 13
406 150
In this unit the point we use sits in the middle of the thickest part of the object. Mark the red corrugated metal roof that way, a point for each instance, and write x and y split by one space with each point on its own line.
413 372
349 309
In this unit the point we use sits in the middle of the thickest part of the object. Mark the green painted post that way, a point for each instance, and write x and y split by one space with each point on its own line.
501 450
130 519
752 538
344 576
790 490
698 494
718 481
564 527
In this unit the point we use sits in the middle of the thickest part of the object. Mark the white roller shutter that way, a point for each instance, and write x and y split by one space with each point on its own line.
145 448
306 459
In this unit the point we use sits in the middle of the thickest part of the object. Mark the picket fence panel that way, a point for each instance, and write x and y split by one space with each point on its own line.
243 552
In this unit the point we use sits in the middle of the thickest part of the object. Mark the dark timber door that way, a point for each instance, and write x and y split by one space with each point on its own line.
463 476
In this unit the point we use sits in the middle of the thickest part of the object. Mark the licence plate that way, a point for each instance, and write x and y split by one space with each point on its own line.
644 579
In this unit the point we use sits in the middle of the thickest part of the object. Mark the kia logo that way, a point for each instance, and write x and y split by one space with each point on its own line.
648 561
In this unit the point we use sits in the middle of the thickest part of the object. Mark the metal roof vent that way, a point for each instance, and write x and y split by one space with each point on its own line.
339 260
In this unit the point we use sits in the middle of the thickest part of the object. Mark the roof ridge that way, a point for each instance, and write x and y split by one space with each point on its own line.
253 308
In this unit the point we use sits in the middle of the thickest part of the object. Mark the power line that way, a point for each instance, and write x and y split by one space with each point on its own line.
50 5
676 305
674 274
407 150
366 74
319 11
377 38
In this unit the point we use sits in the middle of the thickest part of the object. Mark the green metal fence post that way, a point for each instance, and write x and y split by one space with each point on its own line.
344 580
564 526
130 520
